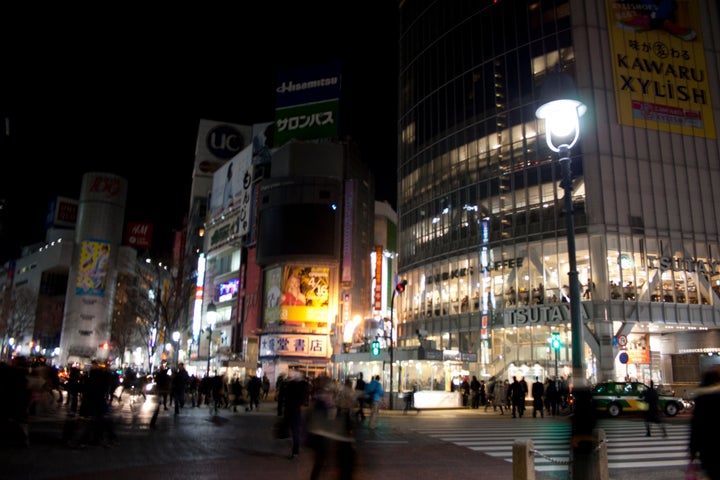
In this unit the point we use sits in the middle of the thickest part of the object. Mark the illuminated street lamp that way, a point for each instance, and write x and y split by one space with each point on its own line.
211 315
561 111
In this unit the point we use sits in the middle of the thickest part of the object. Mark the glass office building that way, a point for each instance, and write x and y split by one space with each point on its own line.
483 243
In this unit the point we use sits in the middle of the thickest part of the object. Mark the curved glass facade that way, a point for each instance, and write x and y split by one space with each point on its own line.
482 232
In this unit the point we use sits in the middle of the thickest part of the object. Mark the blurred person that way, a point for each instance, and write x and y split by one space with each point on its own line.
163 382
491 389
15 401
475 389
254 389
465 391
360 385
501 395
236 388
538 391
652 414
518 390
330 427
552 397
73 386
95 405
295 395
375 395
280 393
705 424
179 383
192 391
265 386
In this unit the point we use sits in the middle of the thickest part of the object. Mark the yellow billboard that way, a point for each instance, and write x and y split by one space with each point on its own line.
304 296
659 71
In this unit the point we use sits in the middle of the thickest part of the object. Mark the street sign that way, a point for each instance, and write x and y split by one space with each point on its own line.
622 341
623 357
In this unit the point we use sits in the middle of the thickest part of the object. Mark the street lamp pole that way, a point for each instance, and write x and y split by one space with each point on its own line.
561 112
211 316
399 288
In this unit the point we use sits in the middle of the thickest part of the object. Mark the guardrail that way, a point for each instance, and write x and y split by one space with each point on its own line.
587 462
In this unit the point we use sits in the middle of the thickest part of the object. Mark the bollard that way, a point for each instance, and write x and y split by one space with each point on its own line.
588 458
523 460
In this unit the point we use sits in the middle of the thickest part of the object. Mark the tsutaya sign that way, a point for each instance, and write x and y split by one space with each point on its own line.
555 313
691 265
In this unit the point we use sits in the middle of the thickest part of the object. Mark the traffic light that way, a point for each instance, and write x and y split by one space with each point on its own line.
375 349
400 287
104 346
555 341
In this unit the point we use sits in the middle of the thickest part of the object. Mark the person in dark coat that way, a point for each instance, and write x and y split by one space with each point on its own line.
538 391
360 385
179 384
296 396
552 396
652 414
705 424
518 389
254 387
475 395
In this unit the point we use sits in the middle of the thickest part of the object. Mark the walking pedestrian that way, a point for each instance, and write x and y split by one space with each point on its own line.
491 394
265 386
652 414
552 394
179 384
375 395
518 391
360 385
253 387
501 396
705 424
475 392
330 430
538 391
295 394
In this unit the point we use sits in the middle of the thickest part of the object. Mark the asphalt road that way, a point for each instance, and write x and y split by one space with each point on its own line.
198 445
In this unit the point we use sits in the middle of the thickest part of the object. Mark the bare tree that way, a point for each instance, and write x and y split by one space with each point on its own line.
20 317
162 308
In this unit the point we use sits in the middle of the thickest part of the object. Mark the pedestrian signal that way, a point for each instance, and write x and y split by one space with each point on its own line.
555 341
375 348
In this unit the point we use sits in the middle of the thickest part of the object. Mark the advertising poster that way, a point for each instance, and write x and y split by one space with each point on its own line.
659 69
305 295
273 284
93 269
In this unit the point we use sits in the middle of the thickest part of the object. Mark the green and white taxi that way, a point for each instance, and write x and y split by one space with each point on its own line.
614 398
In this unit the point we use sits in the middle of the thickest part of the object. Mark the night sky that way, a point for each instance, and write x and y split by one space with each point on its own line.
123 91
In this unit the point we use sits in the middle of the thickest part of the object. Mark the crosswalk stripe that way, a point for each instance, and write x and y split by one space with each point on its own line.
627 445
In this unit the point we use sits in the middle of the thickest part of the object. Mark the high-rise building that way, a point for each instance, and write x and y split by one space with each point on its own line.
483 243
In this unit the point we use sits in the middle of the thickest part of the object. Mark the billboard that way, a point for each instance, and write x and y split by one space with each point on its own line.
659 69
232 186
93 267
307 104
297 295
139 234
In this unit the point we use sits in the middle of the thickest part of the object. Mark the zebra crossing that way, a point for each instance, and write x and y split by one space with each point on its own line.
627 445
